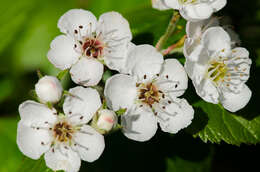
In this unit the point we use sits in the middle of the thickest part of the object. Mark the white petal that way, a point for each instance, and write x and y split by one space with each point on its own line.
195 30
240 52
72 19
120 91
115 23
160 5
196 12
62 54
35 114
216 39
62 159
89 143
173 4
87 72
144 60
207 90
175 74
32 142
82 104
234 102
176 116
218 4
115 59
139 124
117 35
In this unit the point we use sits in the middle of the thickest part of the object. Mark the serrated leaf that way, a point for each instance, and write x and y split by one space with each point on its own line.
222 125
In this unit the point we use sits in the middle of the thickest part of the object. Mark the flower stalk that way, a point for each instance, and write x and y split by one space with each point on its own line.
169 31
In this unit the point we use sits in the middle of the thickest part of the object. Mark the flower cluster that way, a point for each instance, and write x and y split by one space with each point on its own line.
68 126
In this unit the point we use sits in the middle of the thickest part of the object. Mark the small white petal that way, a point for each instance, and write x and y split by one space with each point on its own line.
62 54
179 115
195 30
36 114
207 90
234 102
120 91
32 142
116 34
216 39
89 143
144 60
75 18
218 4
173 4
114 22
87 72
196 12
48 89
82 104
62 159
139 124
175 74
240 52
160 5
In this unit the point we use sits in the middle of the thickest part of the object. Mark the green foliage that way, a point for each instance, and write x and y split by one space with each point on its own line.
9 152
178 164
221 125
33 165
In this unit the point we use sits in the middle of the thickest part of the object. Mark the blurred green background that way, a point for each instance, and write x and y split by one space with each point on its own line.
26 30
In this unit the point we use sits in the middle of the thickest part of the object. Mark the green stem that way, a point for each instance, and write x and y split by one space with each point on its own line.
169 31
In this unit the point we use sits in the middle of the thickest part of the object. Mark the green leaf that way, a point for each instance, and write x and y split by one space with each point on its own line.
221 125
6 87
178 164
9 153
121 111
62 74
33 165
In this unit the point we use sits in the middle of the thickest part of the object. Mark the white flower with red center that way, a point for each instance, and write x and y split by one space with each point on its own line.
191 10
48 89
219 72
63 139
87 43
150 94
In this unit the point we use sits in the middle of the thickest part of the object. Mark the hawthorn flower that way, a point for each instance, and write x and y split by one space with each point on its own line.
195 30
64 139
150 94
48 89
219 72
191 10
87 43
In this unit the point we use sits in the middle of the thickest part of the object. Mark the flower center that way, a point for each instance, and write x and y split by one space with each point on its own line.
92 48
149 93
63 131
217 71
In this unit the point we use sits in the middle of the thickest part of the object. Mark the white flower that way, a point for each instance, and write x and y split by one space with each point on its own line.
192 10
150 94
219 72
48 89
63 139
106 120
88 43
195 30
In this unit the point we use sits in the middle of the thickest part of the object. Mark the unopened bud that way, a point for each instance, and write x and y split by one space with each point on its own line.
48 89
106 120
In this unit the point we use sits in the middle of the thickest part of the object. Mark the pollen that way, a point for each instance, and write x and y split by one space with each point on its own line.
93 48
63 131
149 94
217 71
